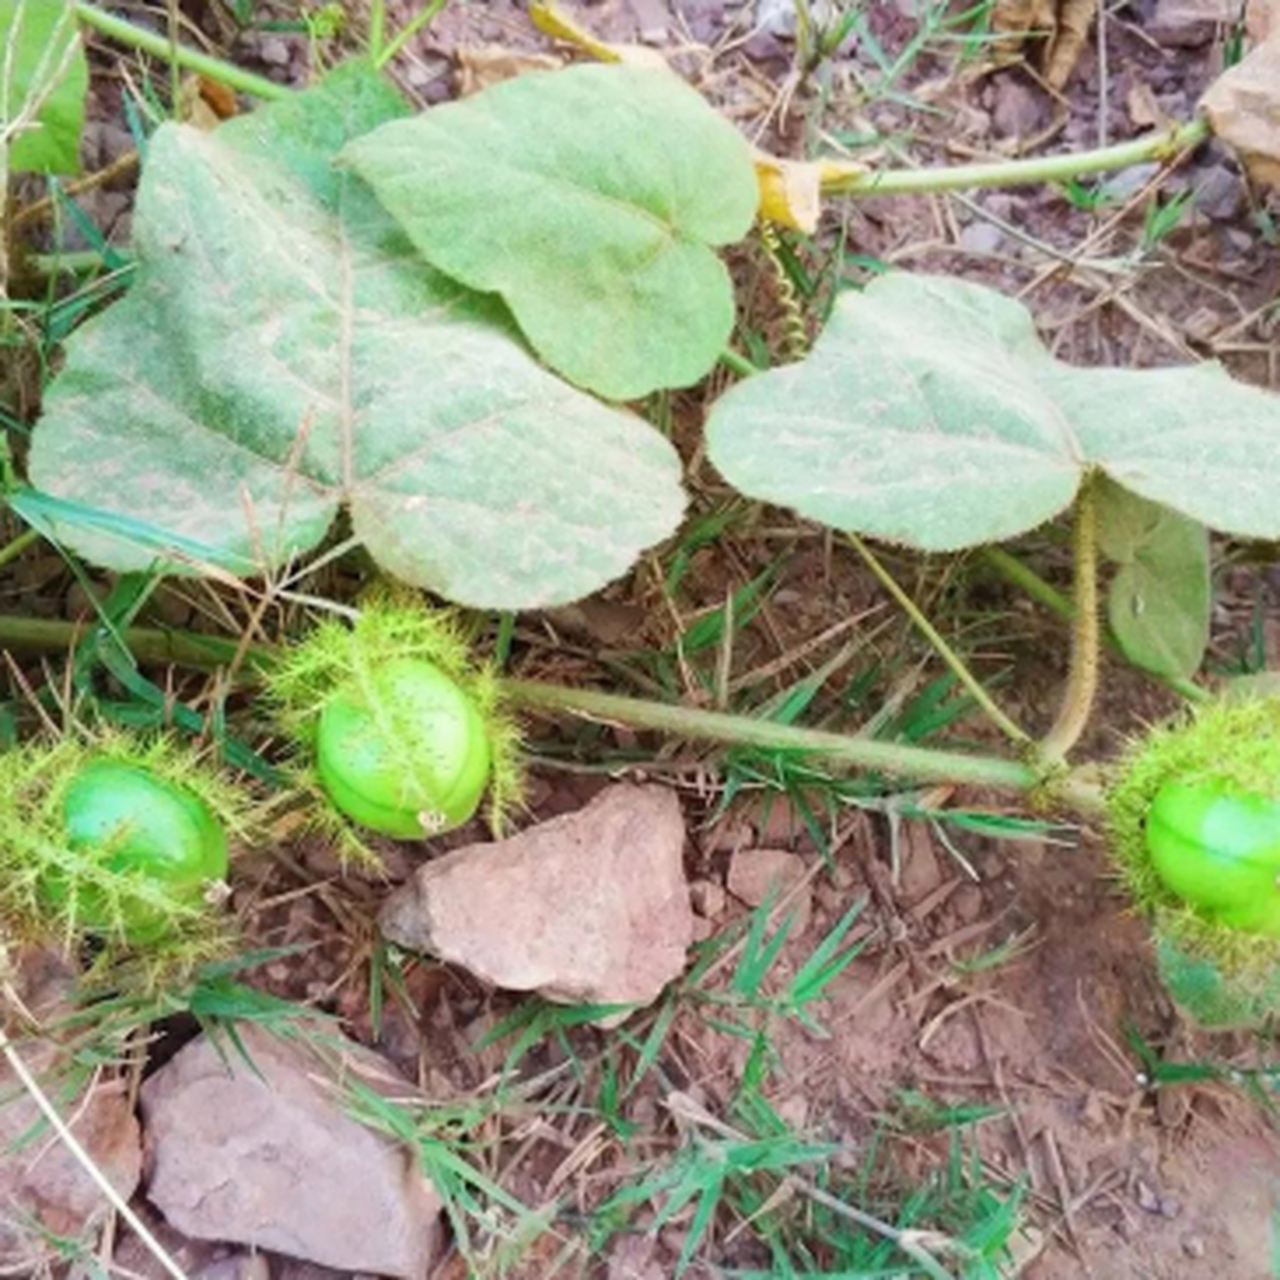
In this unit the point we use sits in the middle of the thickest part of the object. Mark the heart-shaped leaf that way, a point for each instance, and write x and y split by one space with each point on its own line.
43 81
1159 600
929 413
589 199
284 351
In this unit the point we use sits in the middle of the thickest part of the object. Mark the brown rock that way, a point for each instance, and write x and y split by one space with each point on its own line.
1189 23
709 899
757 874
266 1155
591 907
41 1182
1243 106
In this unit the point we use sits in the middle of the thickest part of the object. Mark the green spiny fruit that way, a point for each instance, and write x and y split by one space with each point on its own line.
1195 823
117 838
405 732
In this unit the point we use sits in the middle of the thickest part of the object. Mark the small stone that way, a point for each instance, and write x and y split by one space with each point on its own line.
238 1266
169 607
1120 186
588 908
274 51
758 875
708 898
1146 1197
652 17
1219 193
266 1155
1194 1246
1189 23
704 18
981 238
1170 1206
1018 110
794 1111
776 17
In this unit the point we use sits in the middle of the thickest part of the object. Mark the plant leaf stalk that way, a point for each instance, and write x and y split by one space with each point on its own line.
126 33
1163 145
898 760
1082 673
1023 576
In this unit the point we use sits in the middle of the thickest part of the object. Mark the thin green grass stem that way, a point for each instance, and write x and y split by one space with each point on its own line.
1164 145
123 32
953 660
406 33
377 29
19 544
738 364
1037 589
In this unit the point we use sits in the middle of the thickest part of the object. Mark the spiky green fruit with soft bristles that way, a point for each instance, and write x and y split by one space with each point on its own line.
404 734
118 839
1195 827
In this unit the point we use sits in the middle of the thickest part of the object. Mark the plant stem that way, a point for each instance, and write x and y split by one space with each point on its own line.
377 29
1082 674
151 645
1162 145
1023 576
206 652
738 364
953 660
406 33
204 64
920 763
19 544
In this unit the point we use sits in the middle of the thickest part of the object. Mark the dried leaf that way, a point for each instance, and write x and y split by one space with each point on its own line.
1261 19
1070 36
220 97
480 66
1243 106
790 191
1144 108
553 21
1012 22
1061 25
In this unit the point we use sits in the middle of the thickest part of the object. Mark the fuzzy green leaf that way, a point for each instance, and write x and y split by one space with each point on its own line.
1159 600
589 199
929 413
43 81
284 352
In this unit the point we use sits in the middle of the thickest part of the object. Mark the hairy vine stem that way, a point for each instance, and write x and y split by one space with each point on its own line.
897 760
1082 674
